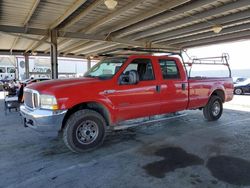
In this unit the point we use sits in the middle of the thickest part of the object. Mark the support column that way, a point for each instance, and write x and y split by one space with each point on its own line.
88 63
53 54
26 61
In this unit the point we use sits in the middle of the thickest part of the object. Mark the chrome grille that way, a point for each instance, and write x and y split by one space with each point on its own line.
36 100
31 98
28 101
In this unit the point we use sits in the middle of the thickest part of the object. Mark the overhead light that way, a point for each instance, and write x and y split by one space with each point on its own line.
111 4
217 28
33 53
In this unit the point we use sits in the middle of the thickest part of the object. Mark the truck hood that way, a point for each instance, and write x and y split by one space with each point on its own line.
53 85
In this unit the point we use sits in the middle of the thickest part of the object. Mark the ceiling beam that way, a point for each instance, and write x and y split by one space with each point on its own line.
71 45
200 16
26 21
72 35
23 30
162 17
76 5
233 36
94 49
84 13
157 10
82 47
103 38
35 45
227 30
14 43
78 35
111 47
31 12
23 36
21 53
59 43
129 6
219 41
196 27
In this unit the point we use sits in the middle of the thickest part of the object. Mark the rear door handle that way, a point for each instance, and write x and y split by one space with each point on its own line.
183 86
158 88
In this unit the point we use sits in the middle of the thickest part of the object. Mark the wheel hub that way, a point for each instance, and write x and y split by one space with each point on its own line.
216 108
87 132
238 91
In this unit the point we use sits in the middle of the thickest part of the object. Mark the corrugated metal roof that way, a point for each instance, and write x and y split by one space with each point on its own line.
146 22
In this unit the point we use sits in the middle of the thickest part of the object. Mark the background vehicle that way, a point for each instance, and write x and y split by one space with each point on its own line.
33 80
7 73
242 87
1 86
120 88
238 80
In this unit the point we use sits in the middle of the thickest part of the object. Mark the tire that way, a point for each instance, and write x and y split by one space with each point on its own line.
84 131
214 108
238 91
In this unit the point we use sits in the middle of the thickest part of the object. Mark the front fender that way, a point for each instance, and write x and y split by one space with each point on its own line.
71 102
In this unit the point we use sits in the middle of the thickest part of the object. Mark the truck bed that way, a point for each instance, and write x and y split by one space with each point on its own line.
200 88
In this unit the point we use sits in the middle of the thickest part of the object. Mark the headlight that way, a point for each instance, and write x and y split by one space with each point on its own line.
48 102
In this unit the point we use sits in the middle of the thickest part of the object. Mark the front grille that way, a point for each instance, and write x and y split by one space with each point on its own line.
36 100
28 99
31 99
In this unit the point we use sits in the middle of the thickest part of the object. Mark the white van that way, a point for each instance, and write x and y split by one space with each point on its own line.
7 73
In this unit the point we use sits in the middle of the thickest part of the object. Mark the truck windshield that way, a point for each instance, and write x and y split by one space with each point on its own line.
106 68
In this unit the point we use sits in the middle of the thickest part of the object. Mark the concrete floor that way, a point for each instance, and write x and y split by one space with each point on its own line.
183 152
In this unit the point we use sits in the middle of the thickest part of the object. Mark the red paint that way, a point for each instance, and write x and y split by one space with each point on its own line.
142 99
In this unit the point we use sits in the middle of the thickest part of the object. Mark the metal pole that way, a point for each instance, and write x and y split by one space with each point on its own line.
26 60
53 54
88 63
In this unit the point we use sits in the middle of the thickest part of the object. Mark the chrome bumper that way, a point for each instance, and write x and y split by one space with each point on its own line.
42 120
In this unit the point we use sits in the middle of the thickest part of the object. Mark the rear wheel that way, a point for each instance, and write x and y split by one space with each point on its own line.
214 108
238 91
84 130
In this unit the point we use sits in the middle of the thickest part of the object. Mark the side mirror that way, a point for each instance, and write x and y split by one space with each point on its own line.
129 78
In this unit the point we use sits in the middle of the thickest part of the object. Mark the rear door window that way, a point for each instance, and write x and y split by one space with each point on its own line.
169 69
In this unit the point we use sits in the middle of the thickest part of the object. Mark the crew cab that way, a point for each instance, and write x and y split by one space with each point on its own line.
118 89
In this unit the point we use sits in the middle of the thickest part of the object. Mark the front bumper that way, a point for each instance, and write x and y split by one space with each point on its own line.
42 120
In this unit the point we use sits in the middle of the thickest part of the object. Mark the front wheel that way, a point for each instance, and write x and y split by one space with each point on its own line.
214 108
84 130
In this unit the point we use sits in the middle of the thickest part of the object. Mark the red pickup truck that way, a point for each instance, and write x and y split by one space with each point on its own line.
118 89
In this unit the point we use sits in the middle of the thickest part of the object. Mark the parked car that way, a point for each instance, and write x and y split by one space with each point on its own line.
242 87
238 80
118 89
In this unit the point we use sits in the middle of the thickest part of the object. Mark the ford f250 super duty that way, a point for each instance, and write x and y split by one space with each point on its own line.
116 89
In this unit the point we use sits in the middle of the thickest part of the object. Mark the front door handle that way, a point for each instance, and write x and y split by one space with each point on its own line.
109 91
158 88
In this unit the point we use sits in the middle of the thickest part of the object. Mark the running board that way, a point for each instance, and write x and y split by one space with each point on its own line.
121 127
